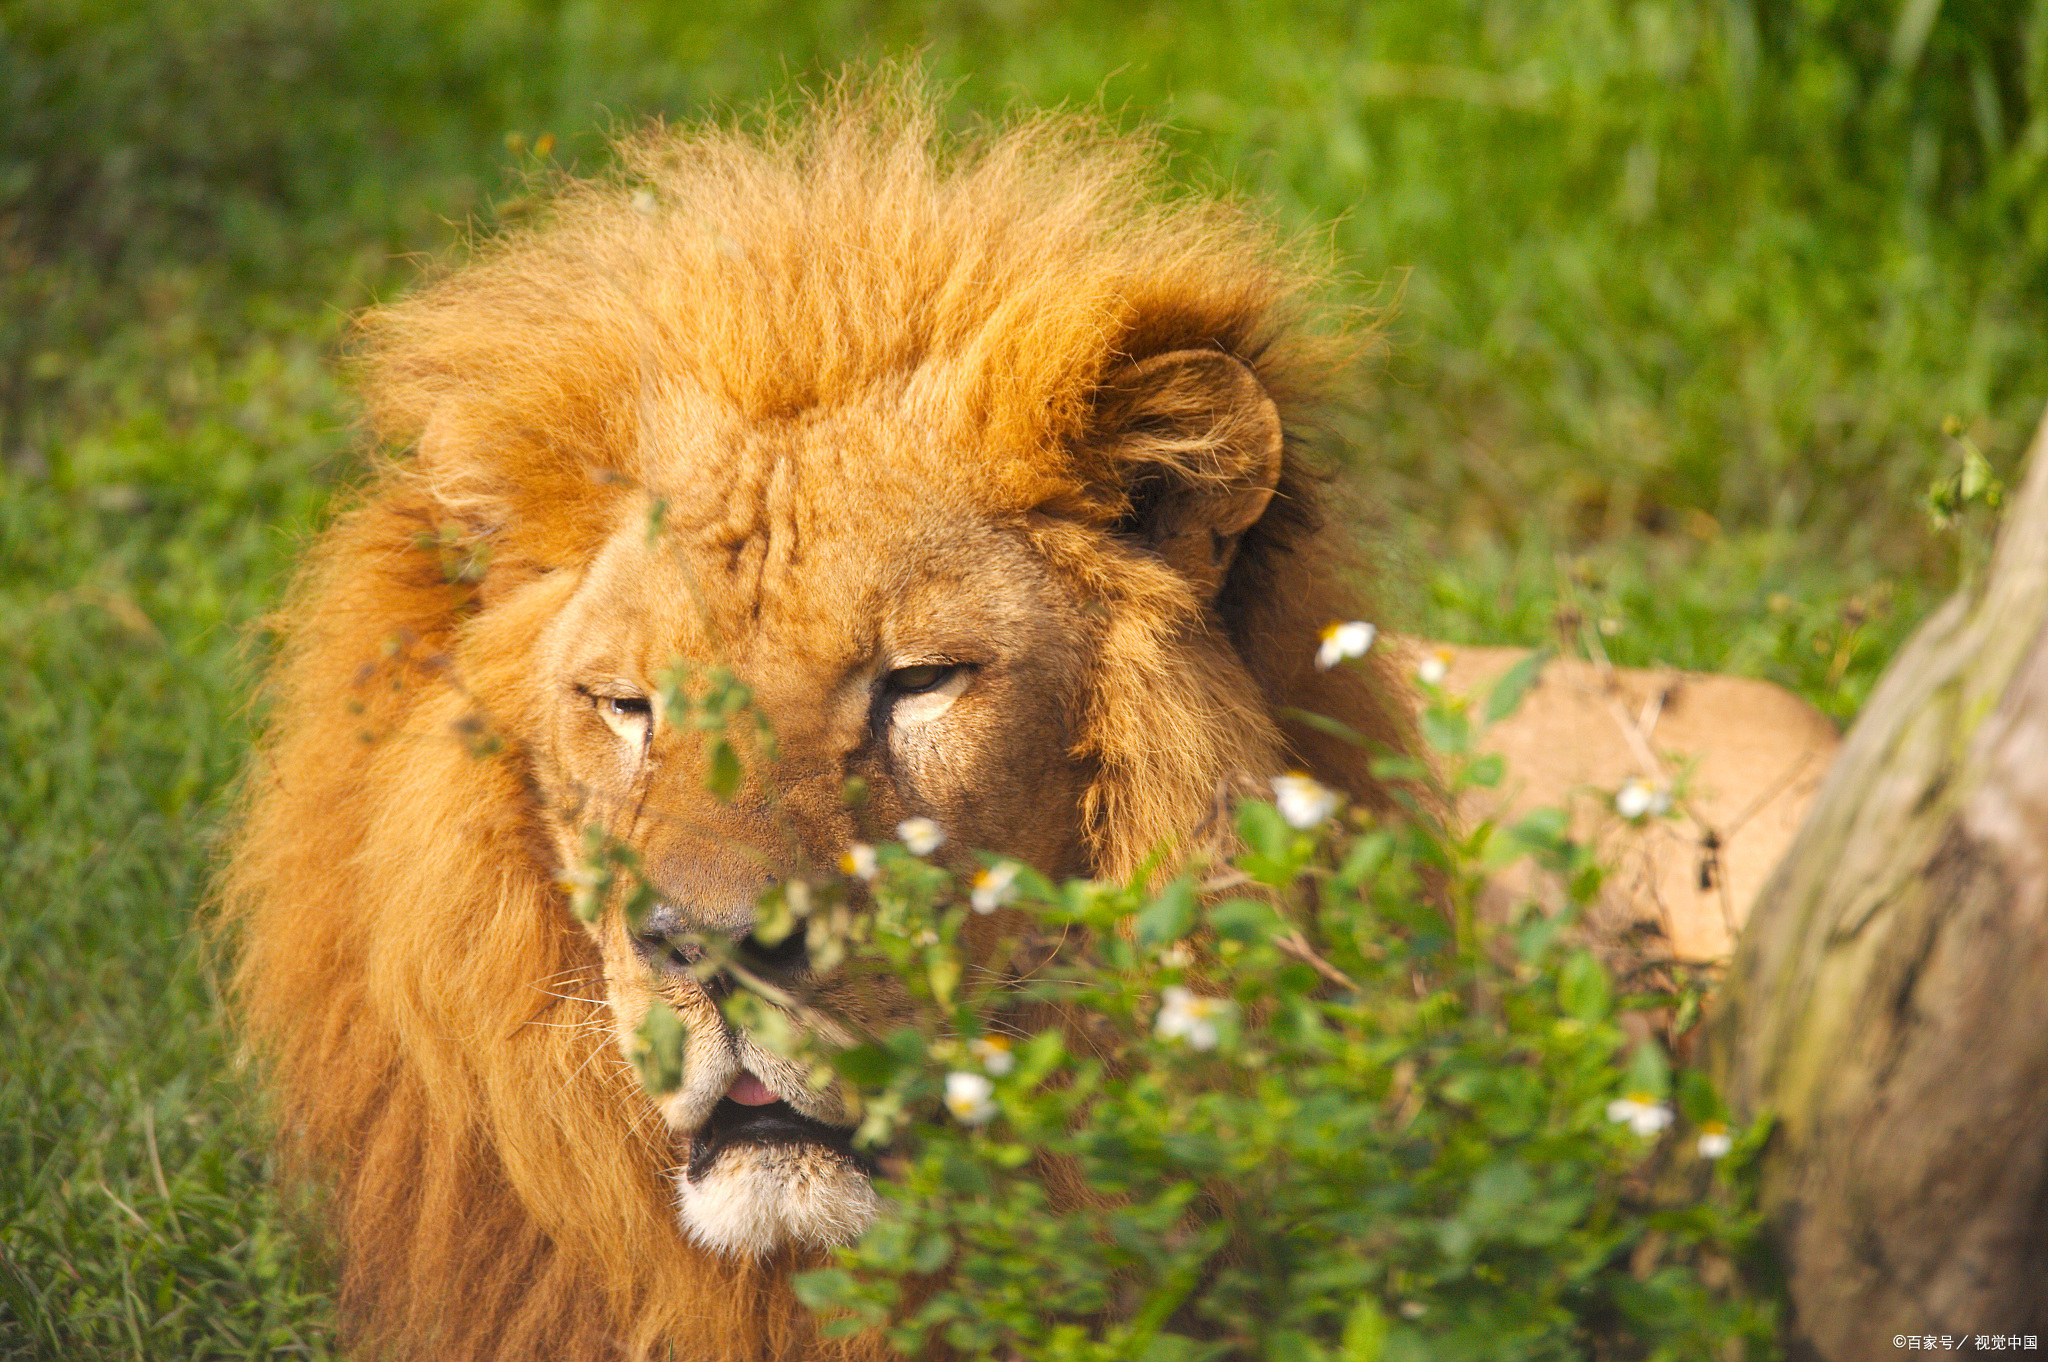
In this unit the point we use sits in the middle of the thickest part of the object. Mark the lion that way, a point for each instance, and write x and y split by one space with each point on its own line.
983 462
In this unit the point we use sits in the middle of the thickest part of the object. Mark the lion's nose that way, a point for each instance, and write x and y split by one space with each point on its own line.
662 941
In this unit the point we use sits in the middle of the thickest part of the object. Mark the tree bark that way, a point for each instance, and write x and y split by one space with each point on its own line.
1888 1000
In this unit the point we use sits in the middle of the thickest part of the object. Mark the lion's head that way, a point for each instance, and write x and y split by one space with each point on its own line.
974 462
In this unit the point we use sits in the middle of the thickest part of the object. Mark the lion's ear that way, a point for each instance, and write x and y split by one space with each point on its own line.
514 497
1196 440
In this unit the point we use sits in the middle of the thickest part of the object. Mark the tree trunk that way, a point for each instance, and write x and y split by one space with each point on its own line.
1888 1001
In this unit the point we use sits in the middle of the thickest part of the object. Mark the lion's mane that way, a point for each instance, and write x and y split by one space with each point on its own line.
427 1005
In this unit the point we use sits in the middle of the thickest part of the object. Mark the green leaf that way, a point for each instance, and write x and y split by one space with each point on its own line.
1498 1194
1698 1101
825 1287
868 1066
1508 692
1583 989
1039 1056
1323 723
1245 920
1454 1237
774 919
1264 830
1402 770
658 1049
1648 1071
944 975
907 1044
1366 856
1543 830
724 779
1169 917
933 1252
1446 729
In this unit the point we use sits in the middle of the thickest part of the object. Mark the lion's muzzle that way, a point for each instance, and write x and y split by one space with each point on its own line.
734 1124
761 1175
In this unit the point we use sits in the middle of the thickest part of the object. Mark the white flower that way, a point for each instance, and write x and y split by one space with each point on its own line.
970 1097
1434 667
1645 1114
995 886
1638 797
858 861
1349 639
1303 800
1177 956
1189 1016
1715 1140
921 835
994 1053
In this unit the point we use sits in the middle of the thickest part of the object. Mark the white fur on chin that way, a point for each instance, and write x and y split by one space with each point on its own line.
754 1199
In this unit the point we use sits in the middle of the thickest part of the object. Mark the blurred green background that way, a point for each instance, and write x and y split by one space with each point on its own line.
1690 304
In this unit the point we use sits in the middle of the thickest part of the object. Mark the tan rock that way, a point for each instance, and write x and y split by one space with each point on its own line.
1741 759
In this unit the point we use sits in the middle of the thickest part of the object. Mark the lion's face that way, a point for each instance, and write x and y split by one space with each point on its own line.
933 657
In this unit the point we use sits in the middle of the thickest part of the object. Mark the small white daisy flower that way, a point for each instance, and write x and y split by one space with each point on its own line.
970 1097
1303 800
921 835
994 1054
859 861
1714 1140
1434 667
994 886
1645 1114
1187 1015
1348 639
1637 797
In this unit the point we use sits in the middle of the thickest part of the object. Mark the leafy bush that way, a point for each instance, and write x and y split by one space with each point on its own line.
1305 1104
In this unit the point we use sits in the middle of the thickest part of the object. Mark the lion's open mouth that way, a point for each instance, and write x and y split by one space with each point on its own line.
734 1124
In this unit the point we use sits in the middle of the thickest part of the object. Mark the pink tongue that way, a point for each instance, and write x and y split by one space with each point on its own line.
750 1091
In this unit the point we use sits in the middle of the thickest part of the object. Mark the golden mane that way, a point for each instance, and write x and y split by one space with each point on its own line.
428 1005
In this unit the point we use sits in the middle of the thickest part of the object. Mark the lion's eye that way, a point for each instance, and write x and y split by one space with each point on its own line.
629 716
917 680
909 696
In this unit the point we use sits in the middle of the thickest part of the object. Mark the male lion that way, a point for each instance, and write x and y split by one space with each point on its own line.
975 461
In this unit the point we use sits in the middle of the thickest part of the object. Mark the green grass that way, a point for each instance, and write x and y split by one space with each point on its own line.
1678 300
135 1216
